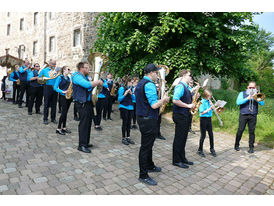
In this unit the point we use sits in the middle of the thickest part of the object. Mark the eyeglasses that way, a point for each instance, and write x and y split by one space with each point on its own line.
37 66
251 87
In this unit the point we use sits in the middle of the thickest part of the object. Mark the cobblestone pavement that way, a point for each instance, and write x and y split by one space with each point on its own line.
35 160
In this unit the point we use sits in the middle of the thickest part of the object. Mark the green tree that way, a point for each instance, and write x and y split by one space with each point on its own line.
210 42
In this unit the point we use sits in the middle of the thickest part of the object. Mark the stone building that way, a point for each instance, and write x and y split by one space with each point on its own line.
41 36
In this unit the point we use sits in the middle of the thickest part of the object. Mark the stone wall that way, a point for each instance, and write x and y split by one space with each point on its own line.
61 25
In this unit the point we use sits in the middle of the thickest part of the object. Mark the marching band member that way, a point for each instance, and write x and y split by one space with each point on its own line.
147 111
61 86
126 97
135 83
82 88
24 82
100 104
182 103
247 116
191 117
36 91
158 133
14 77
50 96
108 100
205 112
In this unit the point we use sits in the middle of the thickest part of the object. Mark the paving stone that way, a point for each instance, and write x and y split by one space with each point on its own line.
3 188
40 179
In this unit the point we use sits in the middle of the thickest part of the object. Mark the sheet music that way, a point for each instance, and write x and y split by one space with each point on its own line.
220 103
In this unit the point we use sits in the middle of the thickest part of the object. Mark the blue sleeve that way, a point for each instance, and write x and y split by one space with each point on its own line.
178 92
151 93
30 75
202 108
11 77
81 81
56 85
240 99
261 103
121 94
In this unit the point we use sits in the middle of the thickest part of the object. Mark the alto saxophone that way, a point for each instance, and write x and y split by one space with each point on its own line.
196 101
69 90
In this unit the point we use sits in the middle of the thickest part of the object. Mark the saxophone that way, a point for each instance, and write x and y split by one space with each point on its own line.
69 90
196 98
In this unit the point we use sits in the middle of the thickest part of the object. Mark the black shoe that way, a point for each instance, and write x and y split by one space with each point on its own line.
161 137
98 128
38 112
181 165
148 181
124 141
20 106
191 131
61 132
251 150
201 153
155 169
29 113
130 141
237 148
213 153
54 121
76 119
134 126
66 131
90 145
84 149
110 119
45 122
188 162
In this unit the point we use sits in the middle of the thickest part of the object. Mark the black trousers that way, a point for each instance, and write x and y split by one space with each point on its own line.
75 112
190 124
181 131
36 94
24 86
206 125
50 100
148 132
251 120
107 107
99 108
16 92
84 127
159 125
65 104
134 114
59 102
126 117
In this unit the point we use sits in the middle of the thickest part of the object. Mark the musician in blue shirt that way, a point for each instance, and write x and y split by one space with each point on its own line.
135 83
82 89
14 77
248 115
61 86
24 82
126 98
36 90
182 103
50 96
190 125
108 100
100 104
147 111
205 112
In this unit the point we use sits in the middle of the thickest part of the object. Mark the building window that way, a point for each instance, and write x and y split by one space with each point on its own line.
8 30
76 37
8 14
35 44
21 52
51 44
35 18
21 24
